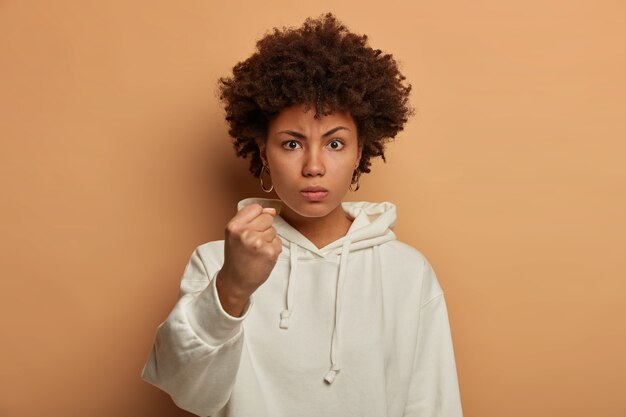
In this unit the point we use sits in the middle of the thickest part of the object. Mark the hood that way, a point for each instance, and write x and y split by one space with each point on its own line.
372 226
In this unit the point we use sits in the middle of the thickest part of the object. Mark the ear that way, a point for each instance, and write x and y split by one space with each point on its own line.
360 154
262 152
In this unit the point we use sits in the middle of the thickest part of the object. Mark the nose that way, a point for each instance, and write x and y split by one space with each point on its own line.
313 163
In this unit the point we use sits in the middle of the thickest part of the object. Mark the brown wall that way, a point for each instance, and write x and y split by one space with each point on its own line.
115 163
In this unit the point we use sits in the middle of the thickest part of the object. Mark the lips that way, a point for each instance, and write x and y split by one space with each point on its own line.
313 189
314 193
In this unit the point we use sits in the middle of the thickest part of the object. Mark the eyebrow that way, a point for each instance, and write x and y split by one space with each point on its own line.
301 136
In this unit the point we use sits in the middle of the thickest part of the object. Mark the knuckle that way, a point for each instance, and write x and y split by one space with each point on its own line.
231 227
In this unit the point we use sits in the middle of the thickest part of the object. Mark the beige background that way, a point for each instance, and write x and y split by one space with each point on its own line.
115 164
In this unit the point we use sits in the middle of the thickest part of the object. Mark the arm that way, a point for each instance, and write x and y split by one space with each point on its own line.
434 388
197 349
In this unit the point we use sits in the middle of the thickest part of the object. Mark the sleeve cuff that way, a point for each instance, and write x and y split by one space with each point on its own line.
209 320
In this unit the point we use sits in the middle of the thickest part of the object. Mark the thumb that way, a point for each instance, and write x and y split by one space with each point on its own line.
270 210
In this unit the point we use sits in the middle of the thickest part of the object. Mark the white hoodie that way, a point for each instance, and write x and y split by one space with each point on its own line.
356 328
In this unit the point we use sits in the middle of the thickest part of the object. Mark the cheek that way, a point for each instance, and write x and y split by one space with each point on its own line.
344 165
283 171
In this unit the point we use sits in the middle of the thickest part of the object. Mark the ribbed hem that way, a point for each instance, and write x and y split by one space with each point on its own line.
209 320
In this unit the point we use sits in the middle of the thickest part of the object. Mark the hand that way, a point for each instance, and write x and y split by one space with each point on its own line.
251 249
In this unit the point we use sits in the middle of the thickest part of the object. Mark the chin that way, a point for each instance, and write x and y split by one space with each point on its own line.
306 208
313 209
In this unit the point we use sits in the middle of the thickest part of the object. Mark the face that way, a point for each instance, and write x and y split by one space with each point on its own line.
301 151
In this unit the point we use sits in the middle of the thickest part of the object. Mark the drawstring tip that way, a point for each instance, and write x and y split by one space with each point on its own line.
330 376
284 319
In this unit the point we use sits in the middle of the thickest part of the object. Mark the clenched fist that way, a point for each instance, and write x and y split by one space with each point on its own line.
251 249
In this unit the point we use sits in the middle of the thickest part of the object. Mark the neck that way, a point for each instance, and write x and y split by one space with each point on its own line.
319 230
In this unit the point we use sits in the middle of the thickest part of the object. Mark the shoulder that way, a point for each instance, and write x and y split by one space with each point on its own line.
409 265
403 255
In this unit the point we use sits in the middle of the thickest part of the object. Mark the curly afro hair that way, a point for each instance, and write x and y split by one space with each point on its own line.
320 64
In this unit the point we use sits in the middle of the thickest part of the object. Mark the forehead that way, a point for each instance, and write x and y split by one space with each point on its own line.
295 117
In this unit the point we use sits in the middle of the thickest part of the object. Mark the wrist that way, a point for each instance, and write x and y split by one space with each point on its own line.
232 298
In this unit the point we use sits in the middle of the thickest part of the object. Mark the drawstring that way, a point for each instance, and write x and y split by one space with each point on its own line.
286 313
293 265
334 350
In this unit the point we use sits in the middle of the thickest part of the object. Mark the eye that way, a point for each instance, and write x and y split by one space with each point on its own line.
288 143
336 147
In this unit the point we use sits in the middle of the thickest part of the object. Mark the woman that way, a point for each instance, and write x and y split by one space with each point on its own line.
310 306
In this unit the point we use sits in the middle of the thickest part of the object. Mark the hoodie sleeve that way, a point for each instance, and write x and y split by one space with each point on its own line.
197 349
434 389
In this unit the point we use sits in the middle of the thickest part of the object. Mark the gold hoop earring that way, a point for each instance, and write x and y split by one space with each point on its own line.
357 174
265 168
